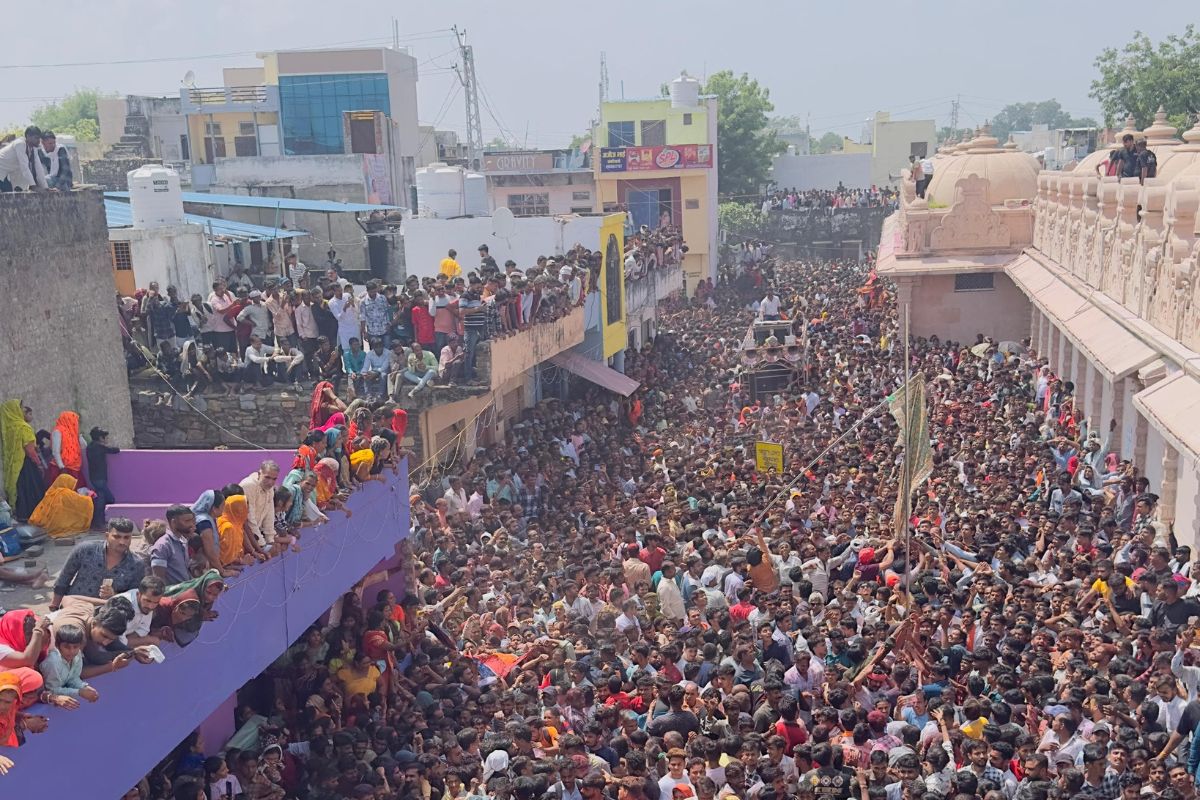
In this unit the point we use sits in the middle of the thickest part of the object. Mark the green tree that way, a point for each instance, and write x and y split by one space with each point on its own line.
577 141
738 221
744 143
1023 116
76 114
497 143
1142 76
830 142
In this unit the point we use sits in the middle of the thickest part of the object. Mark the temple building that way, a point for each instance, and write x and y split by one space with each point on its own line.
1100 273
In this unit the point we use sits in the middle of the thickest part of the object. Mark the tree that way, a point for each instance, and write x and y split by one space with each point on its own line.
744 143
828 143
1143 76
497 143
578 140
1023 116
76 114
740 221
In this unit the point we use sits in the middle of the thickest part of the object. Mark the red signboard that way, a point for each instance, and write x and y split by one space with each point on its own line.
672 156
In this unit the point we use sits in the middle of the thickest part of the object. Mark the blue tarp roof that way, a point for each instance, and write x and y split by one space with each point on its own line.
281 203
120 215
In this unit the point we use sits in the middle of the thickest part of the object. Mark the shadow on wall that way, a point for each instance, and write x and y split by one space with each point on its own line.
144 711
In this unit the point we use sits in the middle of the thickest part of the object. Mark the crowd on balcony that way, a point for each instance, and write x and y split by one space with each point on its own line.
307 326
116 600
831 199
649 250
614 601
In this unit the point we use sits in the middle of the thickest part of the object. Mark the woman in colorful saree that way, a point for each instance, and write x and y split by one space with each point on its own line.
63 511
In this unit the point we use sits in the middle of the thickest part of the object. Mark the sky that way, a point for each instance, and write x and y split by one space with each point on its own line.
538 61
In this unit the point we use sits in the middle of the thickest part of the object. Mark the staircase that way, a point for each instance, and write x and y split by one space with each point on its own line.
135 142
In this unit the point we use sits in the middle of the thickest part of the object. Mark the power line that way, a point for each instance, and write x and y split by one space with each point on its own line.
441 32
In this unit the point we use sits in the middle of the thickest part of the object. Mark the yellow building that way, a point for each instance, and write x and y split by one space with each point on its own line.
238 119
657 161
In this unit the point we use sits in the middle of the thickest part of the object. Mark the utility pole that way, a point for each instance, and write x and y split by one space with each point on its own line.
603 77
954 116
471 90
808 134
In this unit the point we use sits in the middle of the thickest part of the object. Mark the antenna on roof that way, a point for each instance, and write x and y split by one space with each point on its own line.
189 79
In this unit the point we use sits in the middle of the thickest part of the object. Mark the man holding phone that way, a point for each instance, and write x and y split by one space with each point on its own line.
101 568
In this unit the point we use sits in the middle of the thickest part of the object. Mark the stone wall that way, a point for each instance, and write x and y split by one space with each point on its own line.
816 233
111 174
60 344
275 418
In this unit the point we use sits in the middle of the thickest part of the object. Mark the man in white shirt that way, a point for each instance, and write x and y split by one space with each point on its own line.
20 167
768 307
257 371
927 171
456 497
259 487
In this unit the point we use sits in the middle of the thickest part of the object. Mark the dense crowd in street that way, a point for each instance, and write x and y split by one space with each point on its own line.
831 199
614 602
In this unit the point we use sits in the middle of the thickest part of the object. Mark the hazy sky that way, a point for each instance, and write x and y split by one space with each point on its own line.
538 61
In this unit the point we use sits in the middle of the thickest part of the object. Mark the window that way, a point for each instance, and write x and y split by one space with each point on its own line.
512 403
185 149
529 205
654 132
245 145
614 269
581 209
247 129
918 149
581 195
687 118
311 106
214 147
212 129
620 134
974 282
122 256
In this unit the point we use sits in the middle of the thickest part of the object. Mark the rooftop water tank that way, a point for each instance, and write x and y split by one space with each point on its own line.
685 91
444 189
477 195
423 187
154 197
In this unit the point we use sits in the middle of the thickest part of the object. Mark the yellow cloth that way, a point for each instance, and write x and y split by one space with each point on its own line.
361 462
974 728
449 267
231 527
63 512
1101 587
354 683
15 433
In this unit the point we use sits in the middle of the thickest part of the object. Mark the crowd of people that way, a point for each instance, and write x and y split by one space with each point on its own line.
831 199
116 600
306 326
614 602
647 250
34 162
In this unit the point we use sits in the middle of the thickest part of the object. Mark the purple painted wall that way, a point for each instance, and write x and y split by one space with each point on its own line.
179 476
144 711
145 482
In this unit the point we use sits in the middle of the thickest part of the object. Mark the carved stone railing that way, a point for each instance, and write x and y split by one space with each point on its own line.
971 224
1138 244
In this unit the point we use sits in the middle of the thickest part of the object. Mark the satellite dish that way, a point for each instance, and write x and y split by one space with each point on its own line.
504 225
189 79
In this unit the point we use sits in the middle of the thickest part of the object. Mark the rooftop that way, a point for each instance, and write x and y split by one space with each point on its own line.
279 203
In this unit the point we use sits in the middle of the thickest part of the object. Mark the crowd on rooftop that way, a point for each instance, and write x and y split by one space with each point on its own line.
831 199
614 602
308 326
33 162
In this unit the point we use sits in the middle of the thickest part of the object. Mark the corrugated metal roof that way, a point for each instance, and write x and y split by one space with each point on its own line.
281 203
120 215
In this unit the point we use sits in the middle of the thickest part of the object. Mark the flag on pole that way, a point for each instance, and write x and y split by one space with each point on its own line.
907 406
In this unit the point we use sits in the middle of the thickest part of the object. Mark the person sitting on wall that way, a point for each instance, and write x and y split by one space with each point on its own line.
56 162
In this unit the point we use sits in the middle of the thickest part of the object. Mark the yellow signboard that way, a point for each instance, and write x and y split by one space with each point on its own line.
768 457
612 284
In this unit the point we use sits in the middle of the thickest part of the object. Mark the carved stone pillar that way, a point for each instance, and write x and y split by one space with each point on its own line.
1170 484
1095 400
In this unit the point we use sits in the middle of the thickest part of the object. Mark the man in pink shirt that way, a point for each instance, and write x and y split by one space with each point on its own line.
222 332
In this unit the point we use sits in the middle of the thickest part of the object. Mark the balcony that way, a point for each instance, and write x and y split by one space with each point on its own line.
261 613
652 287
225 99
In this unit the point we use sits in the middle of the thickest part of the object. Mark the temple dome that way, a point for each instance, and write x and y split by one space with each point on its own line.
1011 174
